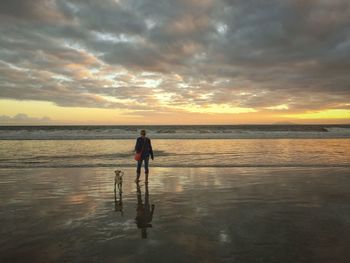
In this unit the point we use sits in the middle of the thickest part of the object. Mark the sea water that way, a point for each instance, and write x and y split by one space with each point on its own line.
215 146
174 132
177 153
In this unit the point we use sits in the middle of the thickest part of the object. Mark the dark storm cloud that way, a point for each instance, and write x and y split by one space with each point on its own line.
251 54
23 9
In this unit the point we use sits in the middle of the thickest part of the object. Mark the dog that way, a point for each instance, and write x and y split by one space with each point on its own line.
118 179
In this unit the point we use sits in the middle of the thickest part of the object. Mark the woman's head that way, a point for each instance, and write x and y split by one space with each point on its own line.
143 132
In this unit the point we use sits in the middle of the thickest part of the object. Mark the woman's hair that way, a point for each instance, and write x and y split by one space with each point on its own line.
143 132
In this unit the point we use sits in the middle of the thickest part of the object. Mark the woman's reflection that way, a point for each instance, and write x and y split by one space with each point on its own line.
144 211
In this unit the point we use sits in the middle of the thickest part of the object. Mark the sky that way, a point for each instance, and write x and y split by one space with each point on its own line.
174 61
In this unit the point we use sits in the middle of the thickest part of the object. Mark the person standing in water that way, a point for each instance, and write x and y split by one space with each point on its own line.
143 146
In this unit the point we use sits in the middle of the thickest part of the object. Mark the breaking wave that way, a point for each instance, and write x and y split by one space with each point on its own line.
174 132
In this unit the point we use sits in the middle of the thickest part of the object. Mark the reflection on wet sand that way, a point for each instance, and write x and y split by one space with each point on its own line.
144 211
118 200
218 215
118 182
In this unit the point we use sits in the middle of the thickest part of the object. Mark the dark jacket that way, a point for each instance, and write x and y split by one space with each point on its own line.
144 144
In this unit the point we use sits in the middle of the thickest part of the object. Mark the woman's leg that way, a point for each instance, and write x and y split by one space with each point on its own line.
146 168
138 170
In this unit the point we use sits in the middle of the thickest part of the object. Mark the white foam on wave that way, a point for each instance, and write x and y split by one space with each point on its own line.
175 132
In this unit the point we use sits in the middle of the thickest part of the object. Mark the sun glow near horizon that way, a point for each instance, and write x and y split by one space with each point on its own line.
49 113
334 114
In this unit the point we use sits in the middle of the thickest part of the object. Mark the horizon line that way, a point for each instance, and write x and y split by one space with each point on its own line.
241 124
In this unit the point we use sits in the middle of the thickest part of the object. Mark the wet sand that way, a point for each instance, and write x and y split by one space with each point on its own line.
200 215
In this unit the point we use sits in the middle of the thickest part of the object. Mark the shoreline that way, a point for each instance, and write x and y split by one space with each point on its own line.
112 166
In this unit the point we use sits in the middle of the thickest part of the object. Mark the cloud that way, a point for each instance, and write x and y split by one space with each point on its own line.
149 56
32 11
22 118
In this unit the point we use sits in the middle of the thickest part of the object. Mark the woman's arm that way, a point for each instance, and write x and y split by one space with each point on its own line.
137 145
150 149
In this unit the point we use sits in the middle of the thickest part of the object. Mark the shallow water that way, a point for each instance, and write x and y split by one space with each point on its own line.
178 153
237 214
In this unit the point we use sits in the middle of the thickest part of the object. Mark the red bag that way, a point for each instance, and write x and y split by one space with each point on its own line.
138 156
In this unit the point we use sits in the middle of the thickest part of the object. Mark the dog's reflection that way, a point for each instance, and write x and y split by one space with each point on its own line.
118 182
144 211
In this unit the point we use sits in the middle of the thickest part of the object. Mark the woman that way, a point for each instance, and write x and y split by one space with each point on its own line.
143 146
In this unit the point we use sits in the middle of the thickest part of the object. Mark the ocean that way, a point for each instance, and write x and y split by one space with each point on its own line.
174 132
176 146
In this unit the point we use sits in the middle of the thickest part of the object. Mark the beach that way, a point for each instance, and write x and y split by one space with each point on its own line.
207 200
208 214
